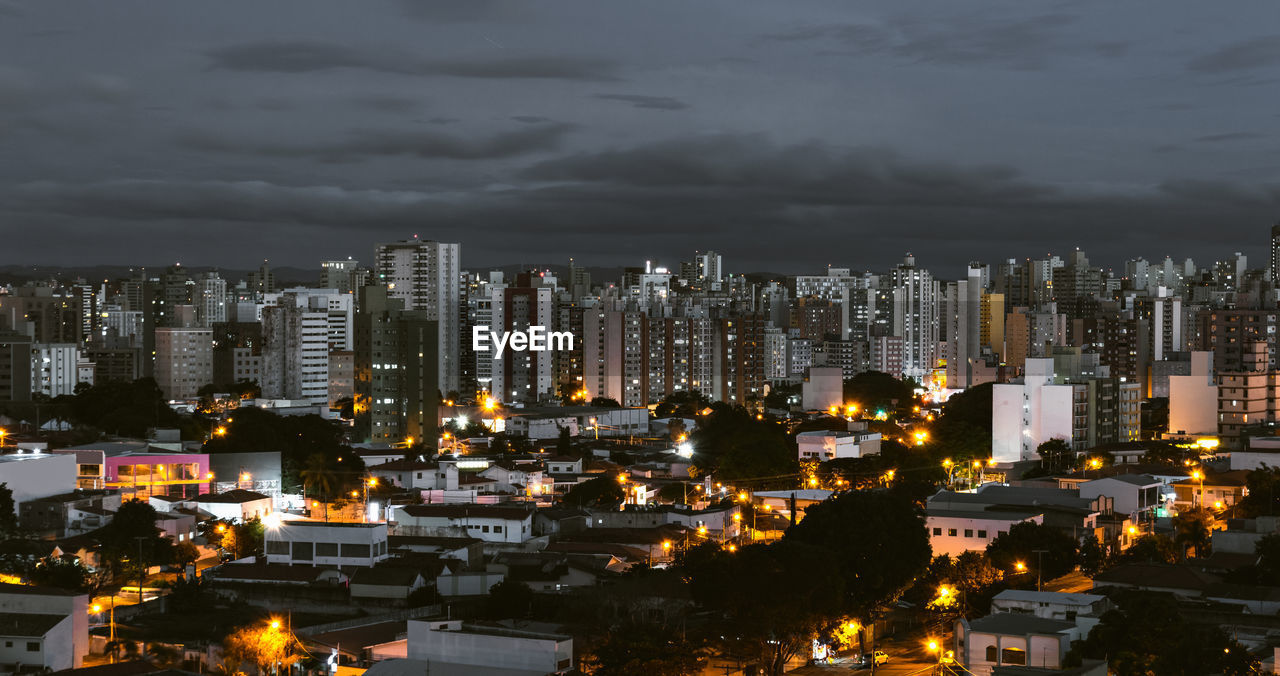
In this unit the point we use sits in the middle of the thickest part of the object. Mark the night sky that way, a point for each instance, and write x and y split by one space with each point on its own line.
787 135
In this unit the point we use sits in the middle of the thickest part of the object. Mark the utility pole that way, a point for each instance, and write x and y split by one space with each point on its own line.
1039 566
142 569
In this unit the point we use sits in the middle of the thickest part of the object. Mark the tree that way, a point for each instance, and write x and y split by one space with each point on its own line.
1150 549
1091 556
873 390
55 572
733 445
132 537
564 443
600 491
772 600
8 513
508 599
1268 550
1191 529
605 402
1053 453
635 649
1149 634
185 553
877 539
1263 498
318 476
268 646
1019 545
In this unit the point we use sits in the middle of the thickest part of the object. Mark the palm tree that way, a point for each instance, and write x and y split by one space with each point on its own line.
317 474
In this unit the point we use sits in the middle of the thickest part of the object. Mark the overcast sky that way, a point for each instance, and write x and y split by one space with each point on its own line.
787 135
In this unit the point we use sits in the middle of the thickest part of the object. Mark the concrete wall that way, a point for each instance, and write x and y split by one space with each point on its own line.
32 476
508 651
76 606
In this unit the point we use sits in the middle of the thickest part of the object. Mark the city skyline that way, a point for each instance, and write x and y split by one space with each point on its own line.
987 132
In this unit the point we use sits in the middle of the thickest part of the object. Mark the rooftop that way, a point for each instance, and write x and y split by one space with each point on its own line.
467 510
234 496
1018 624
28 625
1048 597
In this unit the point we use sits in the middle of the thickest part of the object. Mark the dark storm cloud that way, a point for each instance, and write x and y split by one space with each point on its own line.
366 143
809 173
1245 55
309 56
1025 43
850 133
651 102
1231 136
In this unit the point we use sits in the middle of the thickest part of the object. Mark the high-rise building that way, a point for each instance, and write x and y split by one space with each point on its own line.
210 298
340 275
395 369
15 366
519 375
295 353
1275 254
46 314
915 317
55 368
962 325
183 361
427 277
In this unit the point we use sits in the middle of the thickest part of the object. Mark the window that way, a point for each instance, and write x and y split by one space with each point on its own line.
1013 656
277 547
326 549
33 646
991 653
358 551
302 551
968 532
982 534
497 529
951 532
484 529
937 531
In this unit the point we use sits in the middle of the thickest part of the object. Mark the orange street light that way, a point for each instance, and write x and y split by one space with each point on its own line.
733 548
1020 566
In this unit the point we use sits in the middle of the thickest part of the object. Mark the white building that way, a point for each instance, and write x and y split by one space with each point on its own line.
956 531
56 621
184 361
491 523
1013 639
210 296
823 389
295 354
1050 605
37 475
237 505
1193 399
450 645
1135 495
915 317
54 368
427 276
316 543
824 445
518 374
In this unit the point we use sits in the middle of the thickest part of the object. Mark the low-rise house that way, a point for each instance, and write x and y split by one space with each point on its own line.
181 527
491 523
555 520
37 640
1012 639
550 571
236 505
956 531
563 464
386 582
66 642
495 650
824 445
468 550
277 574
1179 580
658 543
1050 605
416 474
316 543
71 513
1134 495
517 478
791 504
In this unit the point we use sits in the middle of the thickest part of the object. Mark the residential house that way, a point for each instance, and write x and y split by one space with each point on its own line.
62 645
315 543
236 505
499 650
491 523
